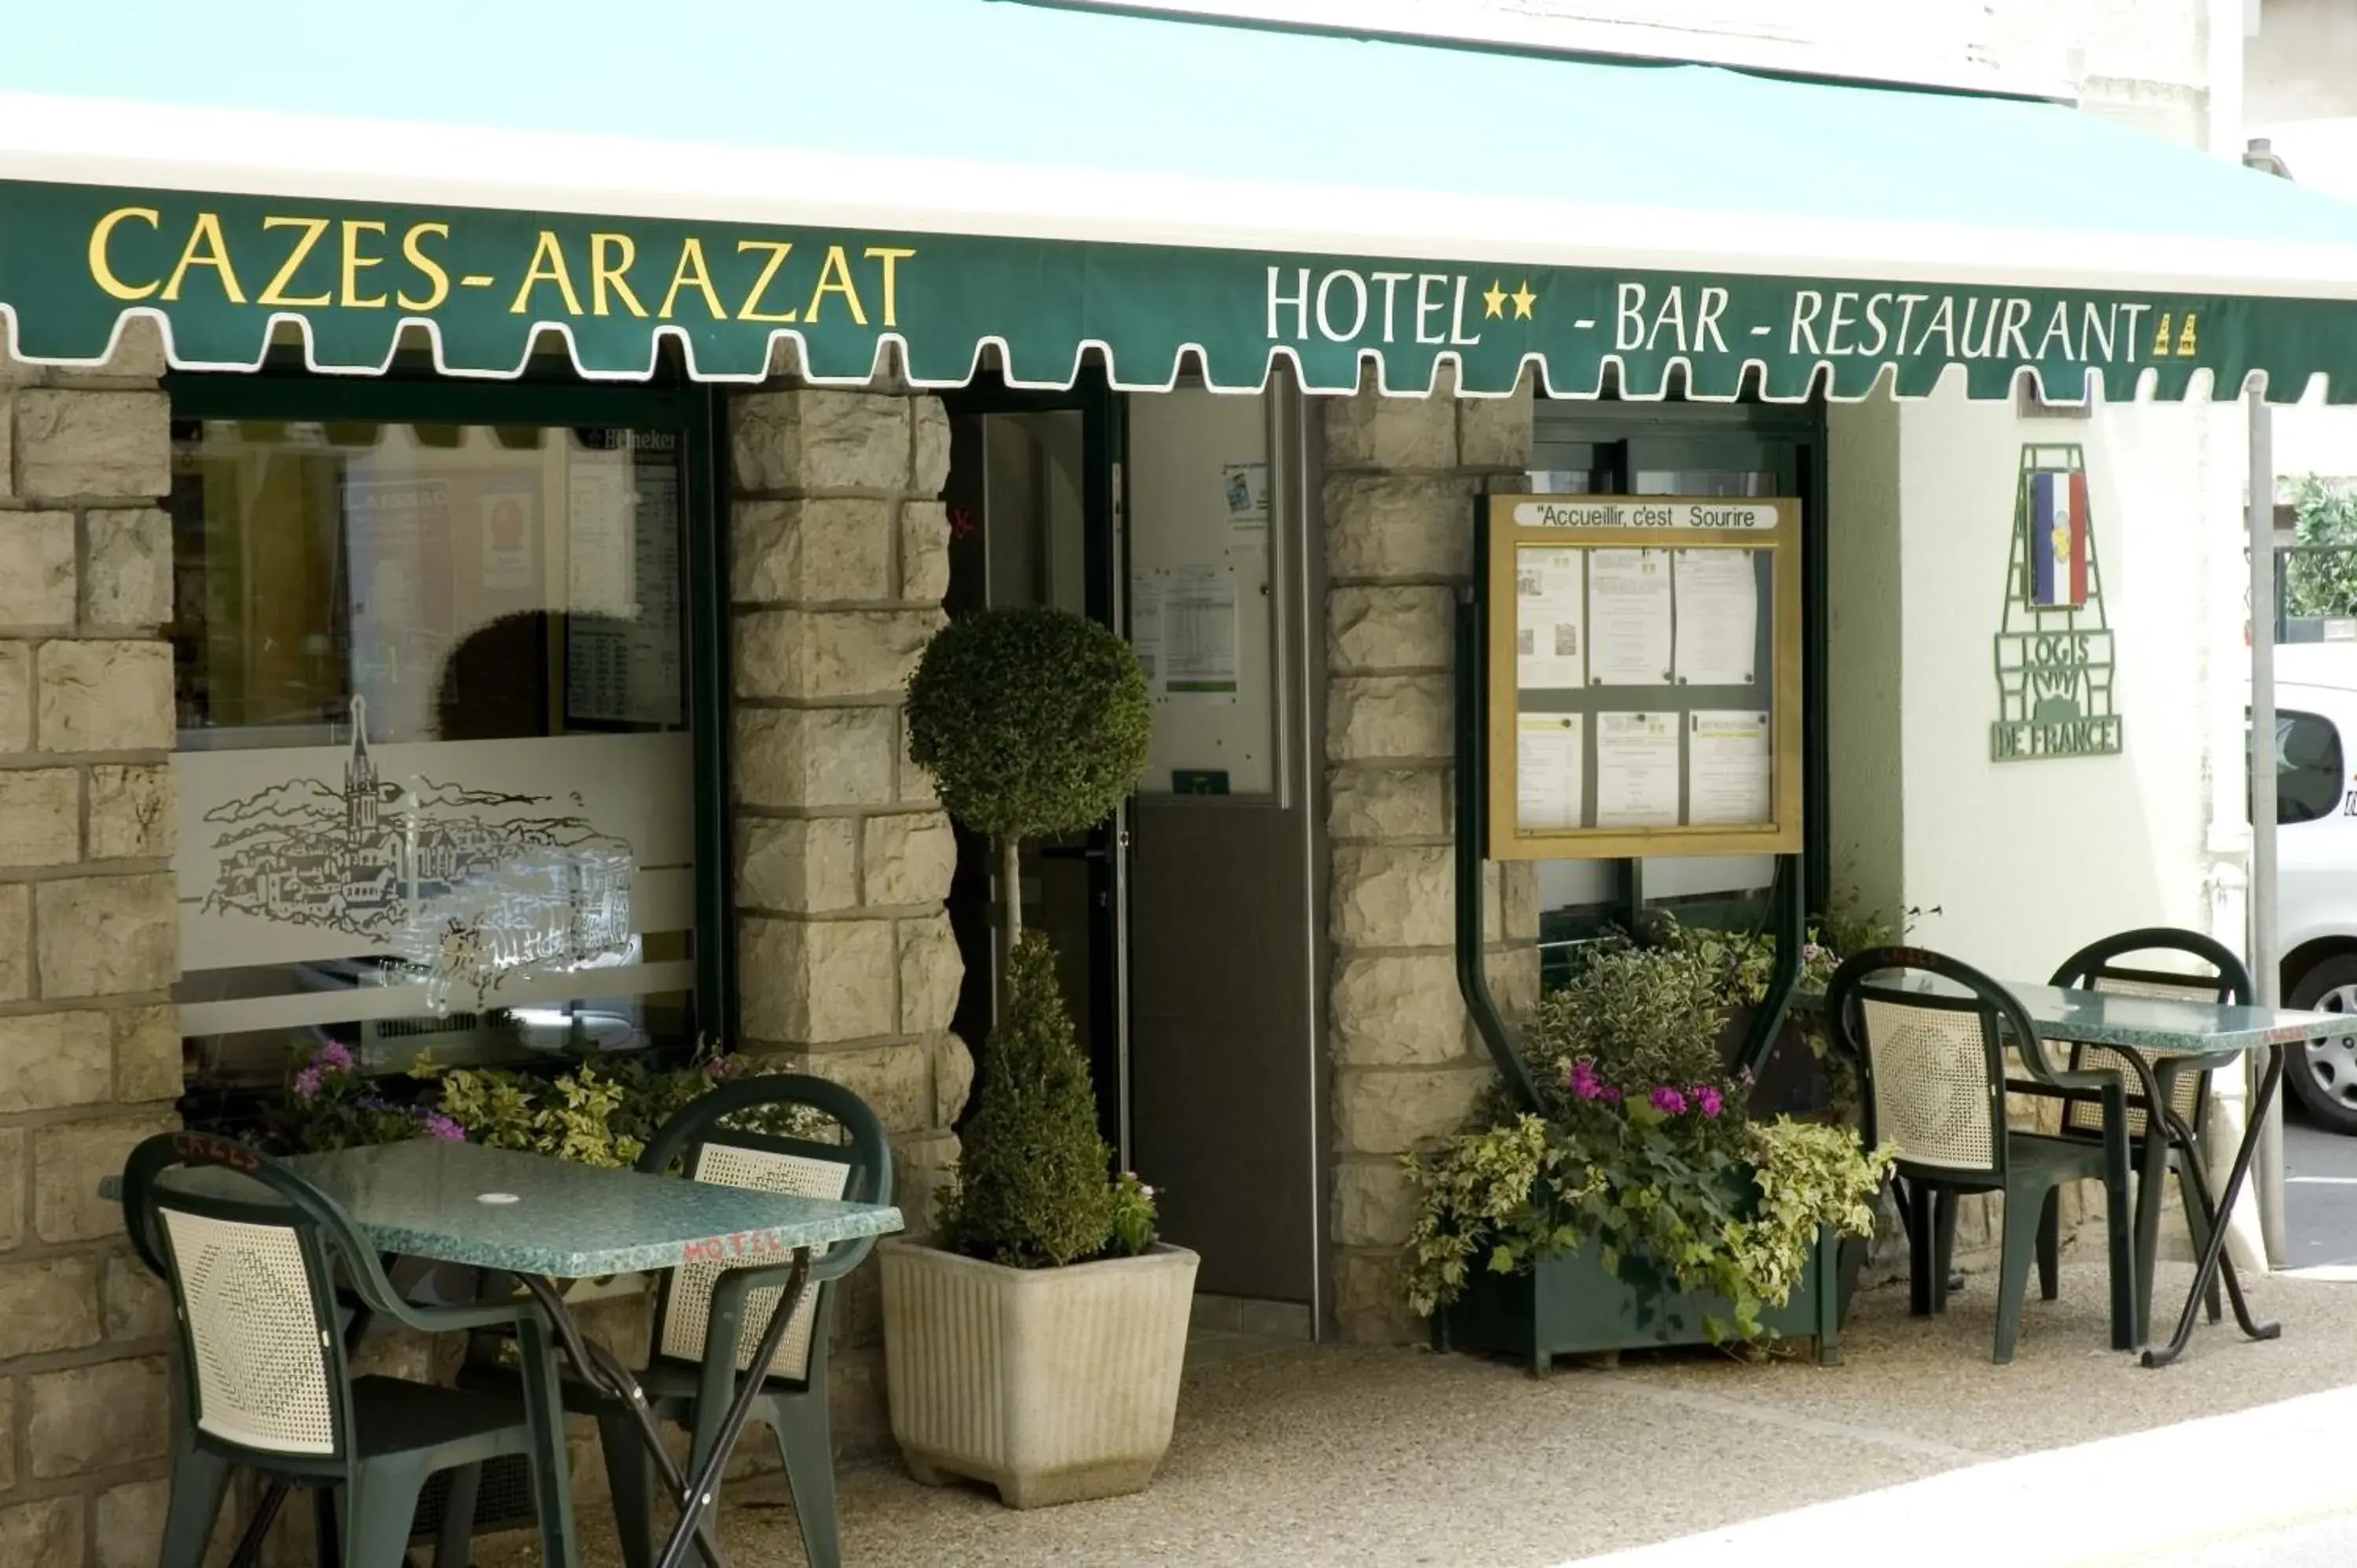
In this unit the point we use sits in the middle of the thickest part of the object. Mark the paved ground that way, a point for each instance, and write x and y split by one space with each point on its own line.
1398 1459
2319 1196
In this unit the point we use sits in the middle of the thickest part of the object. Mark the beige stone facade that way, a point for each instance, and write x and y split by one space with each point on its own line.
847 965
90 1049
1401 476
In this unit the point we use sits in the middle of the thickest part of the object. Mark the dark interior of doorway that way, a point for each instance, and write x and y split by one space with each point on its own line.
1030 503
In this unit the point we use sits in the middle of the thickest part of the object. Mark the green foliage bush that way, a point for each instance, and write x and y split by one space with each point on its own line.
1641 1147
597 1112
1639 1015
1033 1190
2325 582
1032 720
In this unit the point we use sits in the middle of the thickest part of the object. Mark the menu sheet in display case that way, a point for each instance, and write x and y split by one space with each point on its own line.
1643 675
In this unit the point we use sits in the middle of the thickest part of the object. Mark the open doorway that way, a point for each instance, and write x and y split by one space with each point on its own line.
1031 502
1183 925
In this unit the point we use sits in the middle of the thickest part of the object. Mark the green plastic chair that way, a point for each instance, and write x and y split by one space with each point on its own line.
701 1306
2183 1082
1935 1085
252 1252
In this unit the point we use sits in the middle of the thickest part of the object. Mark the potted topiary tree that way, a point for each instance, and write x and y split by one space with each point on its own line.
1036 1345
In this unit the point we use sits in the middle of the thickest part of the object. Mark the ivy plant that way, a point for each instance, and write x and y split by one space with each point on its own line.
1641 1147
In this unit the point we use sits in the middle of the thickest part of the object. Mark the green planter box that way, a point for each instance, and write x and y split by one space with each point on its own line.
1572 1304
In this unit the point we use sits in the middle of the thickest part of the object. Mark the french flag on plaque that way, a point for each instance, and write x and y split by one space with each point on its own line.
2058 538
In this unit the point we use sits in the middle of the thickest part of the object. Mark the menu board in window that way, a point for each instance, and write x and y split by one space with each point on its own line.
1643 676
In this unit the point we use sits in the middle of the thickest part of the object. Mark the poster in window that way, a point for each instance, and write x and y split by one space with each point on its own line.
1718 617
1547 759
509 528
1628 618
1550 620
1636 770
1730 764
399 533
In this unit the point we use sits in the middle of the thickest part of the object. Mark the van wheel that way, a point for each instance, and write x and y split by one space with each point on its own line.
2325 1084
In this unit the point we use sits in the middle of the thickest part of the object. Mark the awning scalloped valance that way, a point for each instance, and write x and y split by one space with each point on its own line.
222 273
1048 183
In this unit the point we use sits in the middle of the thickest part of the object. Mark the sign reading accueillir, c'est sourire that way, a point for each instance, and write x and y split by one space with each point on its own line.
1737 516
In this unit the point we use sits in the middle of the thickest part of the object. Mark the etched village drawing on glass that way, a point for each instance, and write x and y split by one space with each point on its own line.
467 886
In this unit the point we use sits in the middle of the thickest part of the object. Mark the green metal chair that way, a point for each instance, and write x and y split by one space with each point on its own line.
252 1253
2184 1082
708 1323
1933 1058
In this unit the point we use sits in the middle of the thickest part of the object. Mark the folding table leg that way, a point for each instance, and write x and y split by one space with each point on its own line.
2195 1173
2213 1248
610 1376
248 1550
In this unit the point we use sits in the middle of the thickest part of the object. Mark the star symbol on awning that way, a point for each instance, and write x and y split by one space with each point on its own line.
1495 301
1524 299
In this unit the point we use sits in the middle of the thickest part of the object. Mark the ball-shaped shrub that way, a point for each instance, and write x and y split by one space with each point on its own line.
1033 719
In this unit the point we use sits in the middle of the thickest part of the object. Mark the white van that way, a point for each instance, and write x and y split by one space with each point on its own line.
2316 861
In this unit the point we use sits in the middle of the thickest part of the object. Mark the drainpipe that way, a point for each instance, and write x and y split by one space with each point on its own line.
2266 971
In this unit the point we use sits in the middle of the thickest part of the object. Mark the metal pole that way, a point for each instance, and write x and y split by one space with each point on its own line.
2265 974
2261 884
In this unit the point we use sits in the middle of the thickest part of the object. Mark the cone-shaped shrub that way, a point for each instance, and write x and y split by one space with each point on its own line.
1032 1190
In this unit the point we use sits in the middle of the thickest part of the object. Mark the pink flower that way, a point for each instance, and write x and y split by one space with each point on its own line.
720 1069
335 1056
307 1084
1586 1085
1709 1098
437 1125
1669 1101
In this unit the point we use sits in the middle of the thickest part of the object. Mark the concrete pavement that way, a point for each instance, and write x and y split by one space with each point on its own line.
1362 1458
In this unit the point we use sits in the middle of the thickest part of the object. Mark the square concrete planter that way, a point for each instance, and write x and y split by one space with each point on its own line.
1051 1385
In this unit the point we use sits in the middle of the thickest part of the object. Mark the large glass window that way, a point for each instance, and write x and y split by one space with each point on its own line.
434 771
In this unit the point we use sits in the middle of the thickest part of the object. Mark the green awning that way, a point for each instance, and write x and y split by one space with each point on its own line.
971 178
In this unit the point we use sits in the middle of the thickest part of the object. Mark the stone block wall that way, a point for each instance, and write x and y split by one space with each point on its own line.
89 1048
846 964
1401 476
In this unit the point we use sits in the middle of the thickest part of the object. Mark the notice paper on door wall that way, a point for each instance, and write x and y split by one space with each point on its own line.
1199 631
1547 785
1550 620
1729 763
1244 491
1628 618
1146 624
1718 617
1637 771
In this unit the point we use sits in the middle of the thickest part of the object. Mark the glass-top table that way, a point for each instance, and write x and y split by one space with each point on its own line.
2156 1026
528 1214
543 1221
2159 1037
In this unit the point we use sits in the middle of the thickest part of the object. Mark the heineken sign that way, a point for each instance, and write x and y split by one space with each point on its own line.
222 271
